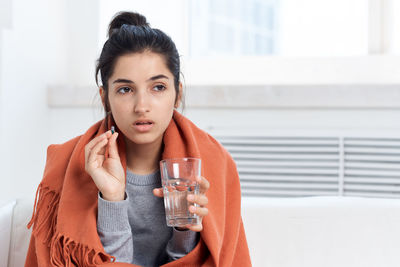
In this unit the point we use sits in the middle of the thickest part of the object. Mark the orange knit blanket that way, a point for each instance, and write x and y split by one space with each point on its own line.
65 210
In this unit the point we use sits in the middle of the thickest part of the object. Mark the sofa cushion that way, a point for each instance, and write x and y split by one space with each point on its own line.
20 235
322 231
6 213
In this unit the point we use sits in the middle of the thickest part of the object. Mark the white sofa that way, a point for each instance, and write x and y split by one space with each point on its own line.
281 232
323 231
14 216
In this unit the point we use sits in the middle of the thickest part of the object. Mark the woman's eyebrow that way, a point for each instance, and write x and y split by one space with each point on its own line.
160 76
122 81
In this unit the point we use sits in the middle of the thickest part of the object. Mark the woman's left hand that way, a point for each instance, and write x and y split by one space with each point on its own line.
201 200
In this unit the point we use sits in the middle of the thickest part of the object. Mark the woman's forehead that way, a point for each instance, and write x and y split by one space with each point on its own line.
142 66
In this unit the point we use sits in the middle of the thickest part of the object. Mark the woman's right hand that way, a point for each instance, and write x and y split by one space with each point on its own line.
106 172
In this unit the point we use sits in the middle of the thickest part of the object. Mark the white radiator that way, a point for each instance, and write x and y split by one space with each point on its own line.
287 166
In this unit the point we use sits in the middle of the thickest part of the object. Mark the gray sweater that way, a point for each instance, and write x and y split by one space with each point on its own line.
135 231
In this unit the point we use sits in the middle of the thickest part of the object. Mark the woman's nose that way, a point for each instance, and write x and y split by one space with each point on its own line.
142 104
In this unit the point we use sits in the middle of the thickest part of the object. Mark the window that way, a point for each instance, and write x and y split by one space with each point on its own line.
278 27
233 27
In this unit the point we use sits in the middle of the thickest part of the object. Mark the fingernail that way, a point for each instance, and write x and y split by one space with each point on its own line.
190 197
192 209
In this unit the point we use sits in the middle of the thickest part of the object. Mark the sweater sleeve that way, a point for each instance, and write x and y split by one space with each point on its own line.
114 229
181 243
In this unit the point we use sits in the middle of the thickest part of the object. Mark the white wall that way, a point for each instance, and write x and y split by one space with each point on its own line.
169 16
34 54
323 28
49 43
298 121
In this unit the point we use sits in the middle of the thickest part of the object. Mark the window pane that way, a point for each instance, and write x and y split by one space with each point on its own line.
278 27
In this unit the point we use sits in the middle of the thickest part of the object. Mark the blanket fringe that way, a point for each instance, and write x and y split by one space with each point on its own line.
44 215
63 250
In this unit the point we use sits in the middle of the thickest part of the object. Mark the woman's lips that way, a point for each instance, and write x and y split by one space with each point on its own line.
143 126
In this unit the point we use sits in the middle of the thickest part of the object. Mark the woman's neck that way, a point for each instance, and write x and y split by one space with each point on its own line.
143 159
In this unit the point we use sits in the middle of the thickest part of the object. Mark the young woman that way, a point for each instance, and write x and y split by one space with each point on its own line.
100 200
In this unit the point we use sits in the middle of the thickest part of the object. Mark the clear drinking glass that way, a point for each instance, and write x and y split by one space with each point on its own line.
178 181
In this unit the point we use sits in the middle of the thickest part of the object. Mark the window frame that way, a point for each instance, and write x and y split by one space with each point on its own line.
378 67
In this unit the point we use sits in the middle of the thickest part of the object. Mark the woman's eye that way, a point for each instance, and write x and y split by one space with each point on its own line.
159 87
124 90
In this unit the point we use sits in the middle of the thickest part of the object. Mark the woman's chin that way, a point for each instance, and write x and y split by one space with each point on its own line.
144 140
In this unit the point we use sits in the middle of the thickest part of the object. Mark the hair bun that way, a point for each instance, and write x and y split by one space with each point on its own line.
128 18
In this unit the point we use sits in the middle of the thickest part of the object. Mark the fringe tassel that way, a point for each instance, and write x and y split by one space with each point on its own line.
44 214
33 218
64 251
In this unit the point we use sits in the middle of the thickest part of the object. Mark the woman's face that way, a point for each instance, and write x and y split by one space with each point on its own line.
142 97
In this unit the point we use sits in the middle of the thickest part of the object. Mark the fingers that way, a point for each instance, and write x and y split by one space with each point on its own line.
109 151
113 147
204 184
158 192
195 227
96 151
95 140
201 200
200 211
89 146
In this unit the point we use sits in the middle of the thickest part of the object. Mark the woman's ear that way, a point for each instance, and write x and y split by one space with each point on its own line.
102 95
179 98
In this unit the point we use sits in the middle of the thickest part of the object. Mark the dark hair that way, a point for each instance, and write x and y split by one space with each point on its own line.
129 32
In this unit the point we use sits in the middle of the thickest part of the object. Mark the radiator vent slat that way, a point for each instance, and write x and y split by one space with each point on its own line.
372 158
282 157
289 170
287 164
373 166
373 180
308 178
282 149
286 193
371 172
290 185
